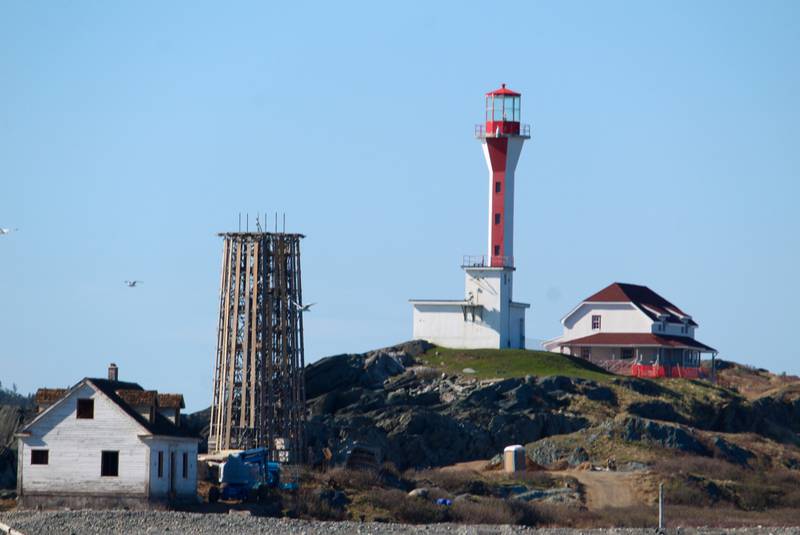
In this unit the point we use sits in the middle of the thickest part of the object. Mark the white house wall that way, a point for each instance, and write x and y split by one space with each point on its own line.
615 318
75 447
160 486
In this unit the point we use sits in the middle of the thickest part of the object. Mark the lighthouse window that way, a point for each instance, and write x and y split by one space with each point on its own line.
496 219
497 187
595 322
496 250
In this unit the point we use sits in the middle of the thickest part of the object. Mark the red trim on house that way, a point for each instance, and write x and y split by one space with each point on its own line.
638 339
498 152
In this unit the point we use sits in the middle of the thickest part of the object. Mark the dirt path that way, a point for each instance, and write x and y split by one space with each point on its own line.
606 489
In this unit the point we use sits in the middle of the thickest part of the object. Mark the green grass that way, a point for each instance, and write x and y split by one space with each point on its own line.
505 363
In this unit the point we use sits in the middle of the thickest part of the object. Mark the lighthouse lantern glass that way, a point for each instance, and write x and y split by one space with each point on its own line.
502 108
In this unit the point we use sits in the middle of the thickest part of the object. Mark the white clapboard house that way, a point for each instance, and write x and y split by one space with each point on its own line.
106 443
631 329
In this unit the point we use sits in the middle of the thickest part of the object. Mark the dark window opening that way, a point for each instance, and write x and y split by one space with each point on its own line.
185 465
85 408
586 352
497 187
40 457
160 464
627 353
595 323
497 250
496 219
109 464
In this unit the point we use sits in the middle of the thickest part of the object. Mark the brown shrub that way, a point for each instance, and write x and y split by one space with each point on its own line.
453 481
539 480
349 478
408 510
312 506
704 466
494 511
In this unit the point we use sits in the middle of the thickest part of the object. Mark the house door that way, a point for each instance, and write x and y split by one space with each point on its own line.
172 473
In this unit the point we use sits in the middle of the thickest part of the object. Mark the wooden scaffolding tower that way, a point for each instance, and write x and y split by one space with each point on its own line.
259 390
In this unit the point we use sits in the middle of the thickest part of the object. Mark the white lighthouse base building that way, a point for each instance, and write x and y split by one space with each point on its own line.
486 318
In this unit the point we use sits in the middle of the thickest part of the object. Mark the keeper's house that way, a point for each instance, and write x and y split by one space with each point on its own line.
632 324
105 443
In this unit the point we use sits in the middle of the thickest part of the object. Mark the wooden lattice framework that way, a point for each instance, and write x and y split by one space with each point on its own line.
259 390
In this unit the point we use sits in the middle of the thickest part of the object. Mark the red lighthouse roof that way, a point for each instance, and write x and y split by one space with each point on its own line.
503 91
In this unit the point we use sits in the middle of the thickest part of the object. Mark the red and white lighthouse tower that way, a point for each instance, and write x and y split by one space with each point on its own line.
502 137
487 316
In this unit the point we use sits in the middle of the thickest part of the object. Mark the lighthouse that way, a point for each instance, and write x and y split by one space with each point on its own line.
487 316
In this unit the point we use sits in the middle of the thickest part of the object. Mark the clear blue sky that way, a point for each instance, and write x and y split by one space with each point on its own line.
666 152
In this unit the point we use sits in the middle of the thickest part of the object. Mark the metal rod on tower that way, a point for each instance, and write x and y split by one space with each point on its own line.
284 222
240 221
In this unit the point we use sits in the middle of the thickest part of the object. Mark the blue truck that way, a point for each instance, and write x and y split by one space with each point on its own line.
249 475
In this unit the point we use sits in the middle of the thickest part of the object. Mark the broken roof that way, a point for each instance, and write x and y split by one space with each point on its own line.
139 397
645 299
46 396
120 392
171 401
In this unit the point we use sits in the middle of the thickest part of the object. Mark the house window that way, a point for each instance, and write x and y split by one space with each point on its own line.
586 352
40 456
497 187
85 408
627 353
496 219
595 323
109 464
160 464
497 250
185 465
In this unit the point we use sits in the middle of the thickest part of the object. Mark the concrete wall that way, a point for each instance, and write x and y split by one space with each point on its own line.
497 327
444 325
75 447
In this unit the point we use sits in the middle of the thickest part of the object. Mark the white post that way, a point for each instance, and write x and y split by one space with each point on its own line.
661 507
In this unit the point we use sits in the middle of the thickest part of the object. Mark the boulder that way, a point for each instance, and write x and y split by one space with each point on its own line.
656 410
731 452
421 492
664 435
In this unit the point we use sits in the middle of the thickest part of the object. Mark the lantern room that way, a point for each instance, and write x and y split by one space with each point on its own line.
502 112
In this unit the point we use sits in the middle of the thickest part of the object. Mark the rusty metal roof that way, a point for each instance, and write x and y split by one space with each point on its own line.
47 396
171 401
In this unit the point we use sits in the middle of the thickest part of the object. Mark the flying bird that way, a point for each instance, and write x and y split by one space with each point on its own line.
302 308
132 284
4 231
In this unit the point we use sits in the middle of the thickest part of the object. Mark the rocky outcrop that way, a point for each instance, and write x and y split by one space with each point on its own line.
416 417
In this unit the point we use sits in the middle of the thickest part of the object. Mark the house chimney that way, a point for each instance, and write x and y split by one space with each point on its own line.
113 372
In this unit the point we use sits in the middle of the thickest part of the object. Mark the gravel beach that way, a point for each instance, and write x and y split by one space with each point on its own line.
105 522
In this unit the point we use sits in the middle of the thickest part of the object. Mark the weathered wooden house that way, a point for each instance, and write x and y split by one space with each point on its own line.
106 443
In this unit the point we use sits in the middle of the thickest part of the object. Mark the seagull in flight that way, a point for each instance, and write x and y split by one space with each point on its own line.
132 284
302 308
4 231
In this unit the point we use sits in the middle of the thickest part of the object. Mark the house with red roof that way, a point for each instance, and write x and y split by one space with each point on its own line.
628 323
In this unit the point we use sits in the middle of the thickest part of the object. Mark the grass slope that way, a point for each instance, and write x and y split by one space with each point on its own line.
504 363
